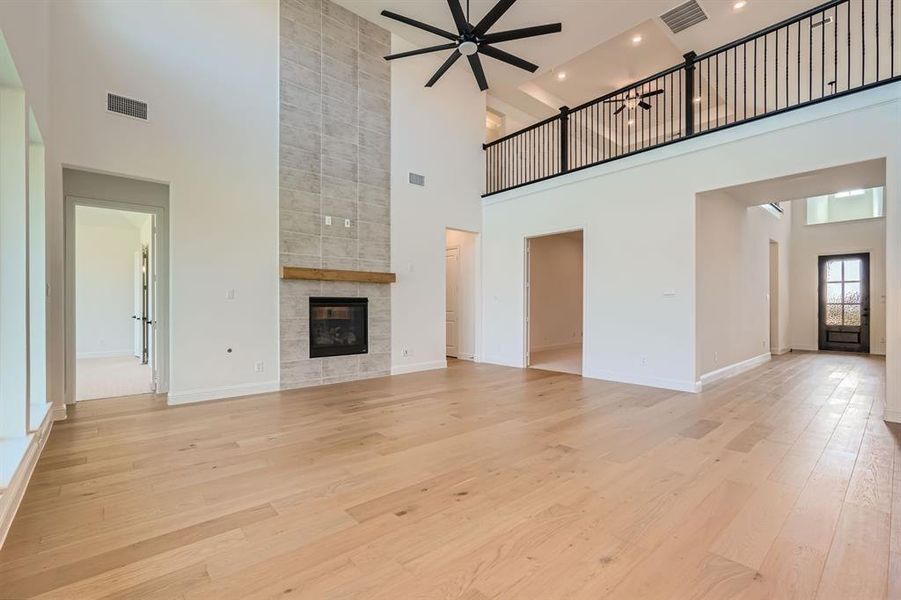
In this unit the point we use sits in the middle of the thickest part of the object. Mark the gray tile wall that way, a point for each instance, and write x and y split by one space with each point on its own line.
334 161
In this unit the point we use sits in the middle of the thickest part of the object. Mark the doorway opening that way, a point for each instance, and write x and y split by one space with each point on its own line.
116 286
554 302
460 294
113 303
774 298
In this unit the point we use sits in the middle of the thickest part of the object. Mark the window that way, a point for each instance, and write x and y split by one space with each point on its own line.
849 205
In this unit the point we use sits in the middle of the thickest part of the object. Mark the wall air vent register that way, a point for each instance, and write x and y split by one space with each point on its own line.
128 107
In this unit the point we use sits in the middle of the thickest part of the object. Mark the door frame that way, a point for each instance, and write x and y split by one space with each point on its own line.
822 259
161 349
448 249
527 291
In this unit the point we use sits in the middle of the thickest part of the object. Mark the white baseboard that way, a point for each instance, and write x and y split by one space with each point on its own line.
734 369
416 368
13 494
464 356
892 416
107 354
805 348
781 351
556 346
645 380
220 393
59 412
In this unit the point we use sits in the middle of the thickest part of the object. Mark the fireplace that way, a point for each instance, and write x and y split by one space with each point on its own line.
338 326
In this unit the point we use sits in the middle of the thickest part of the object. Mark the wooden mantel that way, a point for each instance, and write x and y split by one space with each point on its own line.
337 275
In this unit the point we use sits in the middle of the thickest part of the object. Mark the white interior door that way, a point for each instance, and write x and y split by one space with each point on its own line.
452 271
138 303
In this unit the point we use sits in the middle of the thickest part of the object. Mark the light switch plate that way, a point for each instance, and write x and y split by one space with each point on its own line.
328 220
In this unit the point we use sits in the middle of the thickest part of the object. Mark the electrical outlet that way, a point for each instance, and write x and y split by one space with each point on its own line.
347 223
644 361
328 220
258 367
405 352
230 295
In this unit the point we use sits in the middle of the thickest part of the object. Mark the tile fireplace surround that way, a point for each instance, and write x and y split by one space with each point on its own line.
334 162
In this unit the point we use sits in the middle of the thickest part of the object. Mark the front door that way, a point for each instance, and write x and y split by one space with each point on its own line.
845 303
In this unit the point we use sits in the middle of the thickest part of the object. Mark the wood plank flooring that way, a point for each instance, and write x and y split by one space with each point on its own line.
475 483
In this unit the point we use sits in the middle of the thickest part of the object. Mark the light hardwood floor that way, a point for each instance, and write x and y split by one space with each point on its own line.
473 483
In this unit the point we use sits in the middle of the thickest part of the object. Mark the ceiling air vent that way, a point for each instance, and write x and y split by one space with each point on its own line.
417 179
126 106
684 16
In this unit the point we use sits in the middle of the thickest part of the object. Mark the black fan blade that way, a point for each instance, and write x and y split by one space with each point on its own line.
644 105
476 63
441 71
493 15
419 25
421 51
619 110
649 94
525 32
459 18
508 58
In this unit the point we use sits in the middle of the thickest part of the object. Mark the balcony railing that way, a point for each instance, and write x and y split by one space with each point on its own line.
835 49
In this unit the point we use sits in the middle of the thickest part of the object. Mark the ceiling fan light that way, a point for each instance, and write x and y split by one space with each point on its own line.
468 48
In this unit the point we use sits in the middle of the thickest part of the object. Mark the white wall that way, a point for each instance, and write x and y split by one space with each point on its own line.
467 286
733 281
809 242
436 132
105 245
639 228
209 72
556 291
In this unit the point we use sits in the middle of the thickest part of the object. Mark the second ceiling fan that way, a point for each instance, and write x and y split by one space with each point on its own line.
472 40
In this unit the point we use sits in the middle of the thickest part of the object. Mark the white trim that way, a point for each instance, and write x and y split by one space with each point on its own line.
13 494
415 368
781 351
677 385
805 348
559 346
60 412
465 356
106 354
892 416
221 393
734 369
162 349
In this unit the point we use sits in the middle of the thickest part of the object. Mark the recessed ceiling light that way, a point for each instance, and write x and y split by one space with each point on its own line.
637 39
740 5
561 75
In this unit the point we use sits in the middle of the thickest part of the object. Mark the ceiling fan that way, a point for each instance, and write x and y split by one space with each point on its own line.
472 40
633 100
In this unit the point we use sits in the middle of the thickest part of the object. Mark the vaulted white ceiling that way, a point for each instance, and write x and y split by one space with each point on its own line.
595 47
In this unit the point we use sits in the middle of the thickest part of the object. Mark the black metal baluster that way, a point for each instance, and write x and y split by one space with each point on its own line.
787 54
877 40
766 97
799 63
823 55
810 61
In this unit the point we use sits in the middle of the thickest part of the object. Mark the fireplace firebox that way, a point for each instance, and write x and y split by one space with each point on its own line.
339 326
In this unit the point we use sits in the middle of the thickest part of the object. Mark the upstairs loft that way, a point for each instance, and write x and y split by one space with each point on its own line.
841 47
